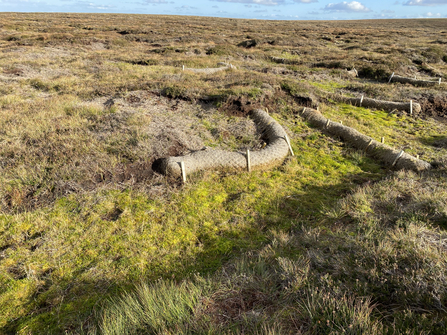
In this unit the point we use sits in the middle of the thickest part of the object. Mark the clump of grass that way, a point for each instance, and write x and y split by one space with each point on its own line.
378 73
158 308
330 313
220 50
175 91
434 54
337 277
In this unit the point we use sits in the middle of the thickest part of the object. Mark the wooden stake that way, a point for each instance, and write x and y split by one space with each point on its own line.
248 161
183 67
370 141
411 107
304 110
397 158
290 146
182 167
417 156
382 140
361 100
440 81
327 123
341 122
389 81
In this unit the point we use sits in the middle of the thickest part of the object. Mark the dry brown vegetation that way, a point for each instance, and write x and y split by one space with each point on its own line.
330 242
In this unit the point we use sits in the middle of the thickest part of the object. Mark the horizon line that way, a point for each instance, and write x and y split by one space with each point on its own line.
224 17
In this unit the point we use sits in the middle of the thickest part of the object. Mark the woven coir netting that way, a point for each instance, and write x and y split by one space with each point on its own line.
416 82
210 70
380 151
384 105
273 154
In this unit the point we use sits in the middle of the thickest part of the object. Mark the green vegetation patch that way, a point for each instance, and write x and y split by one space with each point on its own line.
378 124
120 237
334 277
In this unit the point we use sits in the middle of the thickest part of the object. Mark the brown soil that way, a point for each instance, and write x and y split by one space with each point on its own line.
137 172
133 174
241 106
434 106
442 143
237 106
306 101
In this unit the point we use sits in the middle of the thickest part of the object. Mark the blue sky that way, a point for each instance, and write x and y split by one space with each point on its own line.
253 9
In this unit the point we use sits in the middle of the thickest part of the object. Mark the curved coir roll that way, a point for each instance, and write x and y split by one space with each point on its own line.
273 154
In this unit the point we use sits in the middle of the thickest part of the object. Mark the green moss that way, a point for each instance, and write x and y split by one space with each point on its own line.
329 86
294 88
398 132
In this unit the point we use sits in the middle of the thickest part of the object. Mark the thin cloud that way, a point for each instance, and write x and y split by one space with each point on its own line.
386 14
155 1
347 7
186 7
257 2
305 1
425 2
279 17
91 5
152 2
23 2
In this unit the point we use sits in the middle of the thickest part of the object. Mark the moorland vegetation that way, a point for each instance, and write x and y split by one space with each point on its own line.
95 240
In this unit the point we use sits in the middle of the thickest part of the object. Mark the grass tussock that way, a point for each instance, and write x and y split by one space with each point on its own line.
336 279
152 309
